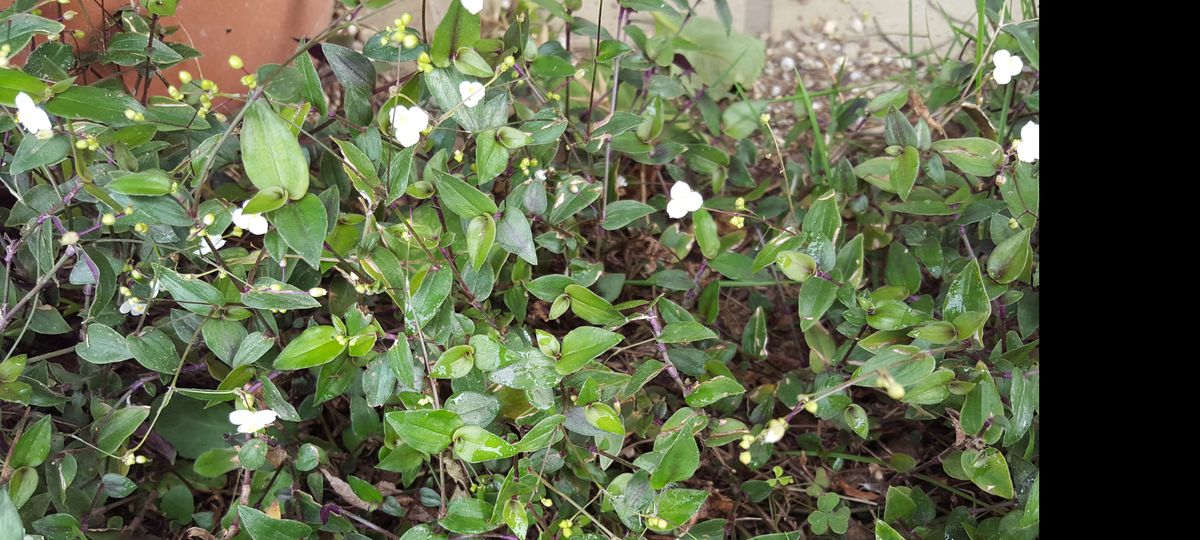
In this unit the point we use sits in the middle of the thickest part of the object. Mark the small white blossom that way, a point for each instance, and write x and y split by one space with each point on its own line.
251 421
471 92
133 306
217 242
540 174
683 200
473 6
409 122
1028 146
775 430
1007 66
32 117
255 223
622 182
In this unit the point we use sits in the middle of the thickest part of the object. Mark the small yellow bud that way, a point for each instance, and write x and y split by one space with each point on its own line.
81 144
1013 224
740 203
125 291
206 85
1001 180
580 73
69 15
79 34
209 219
130 114
737 221
236 62
141 460
128 210
141 228
895 391
547 502
69 238
811 407
108 220
276 287
565 524
250 81
135 274
410 41
220 117
317 292
764 119
423 58
360 288
745 457
185 77
405 19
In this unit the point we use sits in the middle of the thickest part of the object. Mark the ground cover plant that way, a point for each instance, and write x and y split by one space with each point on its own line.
465 279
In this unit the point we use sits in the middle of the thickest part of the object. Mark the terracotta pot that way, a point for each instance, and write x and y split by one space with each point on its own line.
259 31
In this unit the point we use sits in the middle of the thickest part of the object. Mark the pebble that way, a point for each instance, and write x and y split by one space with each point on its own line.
787 63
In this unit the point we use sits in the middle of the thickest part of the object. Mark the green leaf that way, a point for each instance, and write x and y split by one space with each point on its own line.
816 296
491 157
113 431
263 296
622 213
94 103
686 332
1010 258
973 155
33 447
481 235
856 418
474 444
903 173
713 390
151 183
742 118
129 49
429 431
460 197
10 521
680 458
551 66
883 531
966 303
351 68
466 515
720 59
215 462
582 345
271 154
982 403
263 527
590 307
542 434
988 470
316 346
458 29
192 428
18 29
707 237
515 236
455 363
192 293
492 113
13 82
474 408
603 417
33 152
154 350
302 224
678 506
103 345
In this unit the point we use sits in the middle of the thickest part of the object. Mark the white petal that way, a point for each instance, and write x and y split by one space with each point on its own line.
248 428
1000 57
126 307
24 102
1031 132
676 209
255 223
680 190
693 201
471 92
1001 77
473 6
241 416
139 309
407 138
265 417
1015 65
31 117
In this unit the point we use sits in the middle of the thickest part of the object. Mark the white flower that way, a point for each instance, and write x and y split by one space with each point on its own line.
622 182
251 421
471 92
217 242
540 174
409 123
683 200
1007 66
1028 146
255 223
775 430
32 117
133 306
473 6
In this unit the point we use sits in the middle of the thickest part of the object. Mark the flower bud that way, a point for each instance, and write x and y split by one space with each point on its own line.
236 62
